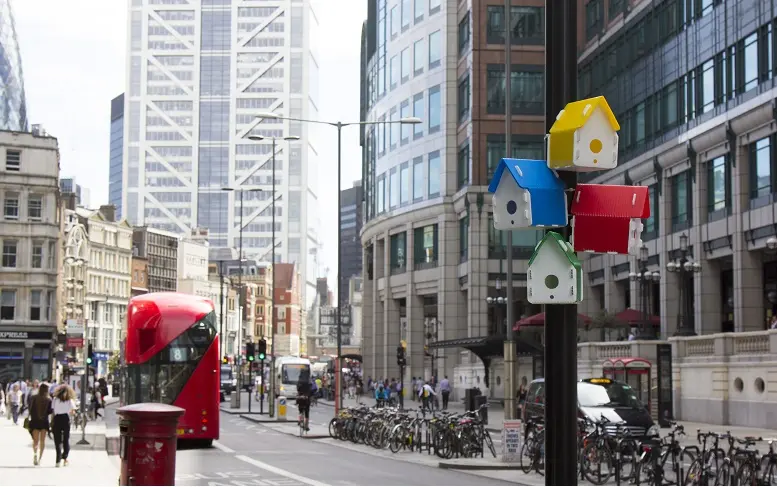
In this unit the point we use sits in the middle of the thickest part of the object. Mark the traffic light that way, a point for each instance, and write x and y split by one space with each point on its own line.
89 355
225 360
250 351
401 355
262 349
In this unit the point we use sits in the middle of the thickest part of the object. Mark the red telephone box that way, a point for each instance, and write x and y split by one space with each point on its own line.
634 371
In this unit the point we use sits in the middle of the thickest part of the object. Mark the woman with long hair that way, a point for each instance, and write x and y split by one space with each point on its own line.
63 407
40 408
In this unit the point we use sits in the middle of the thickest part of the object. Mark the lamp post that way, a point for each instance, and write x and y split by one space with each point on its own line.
684 266
645 278
339 126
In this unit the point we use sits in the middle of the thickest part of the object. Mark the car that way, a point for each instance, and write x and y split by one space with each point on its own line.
599 397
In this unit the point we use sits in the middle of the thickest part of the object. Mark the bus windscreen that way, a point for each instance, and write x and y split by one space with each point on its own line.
292 372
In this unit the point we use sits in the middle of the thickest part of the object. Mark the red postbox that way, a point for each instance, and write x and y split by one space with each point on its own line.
148 443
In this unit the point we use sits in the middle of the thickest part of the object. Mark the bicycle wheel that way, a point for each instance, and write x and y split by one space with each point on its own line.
597 464
770 472
724 473
694 475
746 474
527 456
398 440
489 442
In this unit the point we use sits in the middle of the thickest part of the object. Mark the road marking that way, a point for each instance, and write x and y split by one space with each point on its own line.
222 447
280 471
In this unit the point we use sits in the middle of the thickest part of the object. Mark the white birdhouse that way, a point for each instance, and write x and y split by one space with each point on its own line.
584 137
555 275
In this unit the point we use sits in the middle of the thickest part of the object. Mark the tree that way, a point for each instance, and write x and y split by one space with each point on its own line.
113 364
604 320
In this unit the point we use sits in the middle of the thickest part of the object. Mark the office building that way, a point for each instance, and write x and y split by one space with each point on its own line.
431 254
69 186
160 249
13 116
116 155
30 235
351 219
197 75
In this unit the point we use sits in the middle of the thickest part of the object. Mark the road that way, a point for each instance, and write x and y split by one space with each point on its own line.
251 454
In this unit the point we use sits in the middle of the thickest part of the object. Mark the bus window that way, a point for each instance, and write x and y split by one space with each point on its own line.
291 373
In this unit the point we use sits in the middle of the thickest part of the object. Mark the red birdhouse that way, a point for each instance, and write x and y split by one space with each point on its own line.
608 219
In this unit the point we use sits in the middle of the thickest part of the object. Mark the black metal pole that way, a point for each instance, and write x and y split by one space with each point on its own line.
271 392
261 388
338 372
221 315
250 366
240 304
560 320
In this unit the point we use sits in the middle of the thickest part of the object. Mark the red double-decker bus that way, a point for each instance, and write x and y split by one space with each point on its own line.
171 356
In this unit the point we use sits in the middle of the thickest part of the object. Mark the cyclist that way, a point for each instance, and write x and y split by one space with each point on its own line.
303 401
313 393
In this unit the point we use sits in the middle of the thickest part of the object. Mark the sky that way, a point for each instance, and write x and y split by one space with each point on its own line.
74 62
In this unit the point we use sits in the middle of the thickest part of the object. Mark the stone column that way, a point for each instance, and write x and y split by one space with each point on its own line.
708 296
748 266
415 337
613 300
368 317
450 311
670 282
478 274
393 330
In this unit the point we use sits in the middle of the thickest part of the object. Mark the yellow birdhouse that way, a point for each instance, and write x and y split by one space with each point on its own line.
584 137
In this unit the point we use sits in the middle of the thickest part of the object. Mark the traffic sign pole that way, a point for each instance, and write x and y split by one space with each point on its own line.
560 320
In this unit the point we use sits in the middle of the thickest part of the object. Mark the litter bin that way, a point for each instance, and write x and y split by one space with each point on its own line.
469 399
234 400
479 401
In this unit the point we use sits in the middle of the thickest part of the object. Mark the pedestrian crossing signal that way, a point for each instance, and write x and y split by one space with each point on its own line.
250 351
262 349
89 355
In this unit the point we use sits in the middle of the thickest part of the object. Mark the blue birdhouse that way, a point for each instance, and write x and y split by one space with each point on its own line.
527 193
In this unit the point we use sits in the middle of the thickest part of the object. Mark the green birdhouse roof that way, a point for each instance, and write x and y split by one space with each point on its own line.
565 247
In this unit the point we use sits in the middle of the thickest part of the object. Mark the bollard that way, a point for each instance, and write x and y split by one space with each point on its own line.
148 443
281 409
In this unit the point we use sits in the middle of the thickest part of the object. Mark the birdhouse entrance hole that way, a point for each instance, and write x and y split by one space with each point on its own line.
551 282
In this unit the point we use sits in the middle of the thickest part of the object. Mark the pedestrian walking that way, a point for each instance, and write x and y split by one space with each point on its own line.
445 390
97 403
15 402
64 406
40 409
2 399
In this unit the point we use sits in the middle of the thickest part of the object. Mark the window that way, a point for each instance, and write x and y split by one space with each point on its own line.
381 131
418 178
13 160
7 304
435 109
420 7
435 49
11 206
528 25
404 184
394 128
394 72
406 64
434 6
527 89
418 111
394 21
464 34
425 247
463 238
524 241
681 201
9 253
462 169
49 304
398 245
405 128
616 7
523 147
761 169
393 188
107 339
434 174
108 311
718 188
750 51
36 260
594 18
418 57
381 196
407 14
464 98
35 305
707 86
52 255
35 207
651 224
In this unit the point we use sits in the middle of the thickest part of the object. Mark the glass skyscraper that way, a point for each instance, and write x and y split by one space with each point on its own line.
115 171
13 107
198 74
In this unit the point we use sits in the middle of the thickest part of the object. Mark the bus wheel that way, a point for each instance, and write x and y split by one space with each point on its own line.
207 443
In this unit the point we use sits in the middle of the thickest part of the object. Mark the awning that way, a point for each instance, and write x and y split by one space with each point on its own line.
632 317
626 363
539 320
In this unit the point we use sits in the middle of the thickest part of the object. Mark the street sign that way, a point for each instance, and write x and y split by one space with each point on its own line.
75 328
75 342
511 441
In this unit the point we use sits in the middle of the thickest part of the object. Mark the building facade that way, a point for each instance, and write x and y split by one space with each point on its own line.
13 116
69 186
197 75
160 249
108 278
431 255
139 281
351 220
30 232
116 155
287 310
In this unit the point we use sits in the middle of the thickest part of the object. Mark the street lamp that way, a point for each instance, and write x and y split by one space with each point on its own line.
645 279
684 266
771 243
339 126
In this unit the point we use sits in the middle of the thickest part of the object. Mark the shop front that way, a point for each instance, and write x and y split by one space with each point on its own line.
25 354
